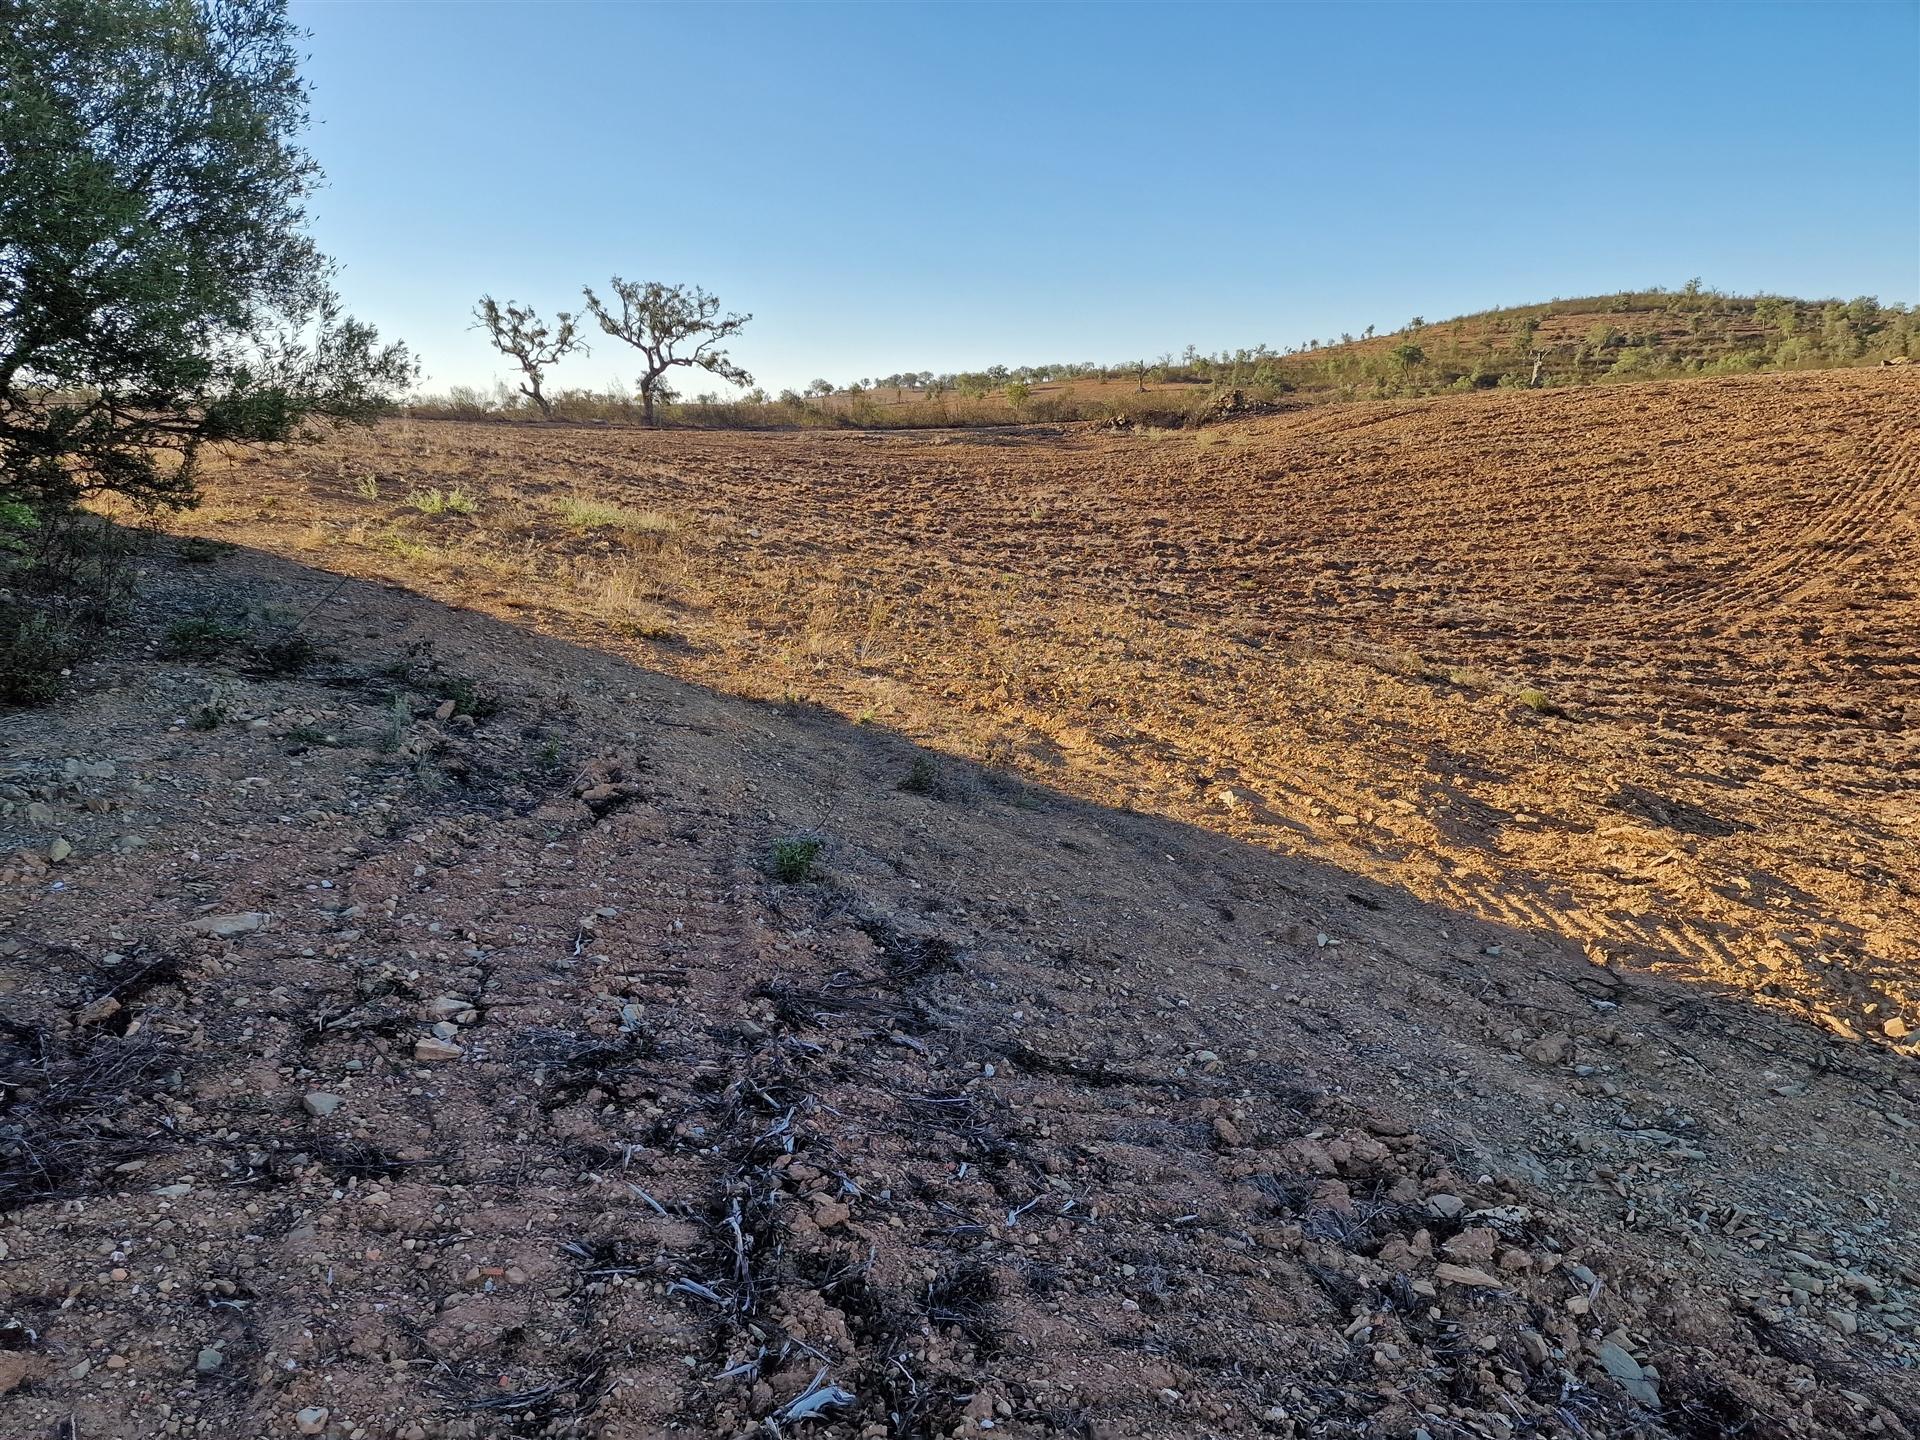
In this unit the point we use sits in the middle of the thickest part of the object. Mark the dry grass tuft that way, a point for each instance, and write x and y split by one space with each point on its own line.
583 513
451 501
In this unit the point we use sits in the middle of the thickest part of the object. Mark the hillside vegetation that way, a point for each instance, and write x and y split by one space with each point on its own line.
1599 339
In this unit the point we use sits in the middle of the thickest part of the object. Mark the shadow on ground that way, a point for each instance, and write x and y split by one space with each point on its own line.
471 1033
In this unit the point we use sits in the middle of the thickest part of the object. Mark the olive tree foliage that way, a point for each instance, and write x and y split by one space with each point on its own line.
669 325
158 290
1407 356
528 340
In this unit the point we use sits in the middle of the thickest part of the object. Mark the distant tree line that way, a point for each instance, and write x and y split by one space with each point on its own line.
1630 335
1692 330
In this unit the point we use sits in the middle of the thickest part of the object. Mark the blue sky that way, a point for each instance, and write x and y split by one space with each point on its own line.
890 187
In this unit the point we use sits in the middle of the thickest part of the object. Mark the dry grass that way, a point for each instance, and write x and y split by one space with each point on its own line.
452 501
584 513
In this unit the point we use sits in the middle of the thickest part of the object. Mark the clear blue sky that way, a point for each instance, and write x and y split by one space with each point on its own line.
892 187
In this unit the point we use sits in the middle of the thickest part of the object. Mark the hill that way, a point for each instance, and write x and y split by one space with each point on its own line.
1629 335
1395 916
1632 335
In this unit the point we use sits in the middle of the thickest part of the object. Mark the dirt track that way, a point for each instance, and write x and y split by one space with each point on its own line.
1251 1018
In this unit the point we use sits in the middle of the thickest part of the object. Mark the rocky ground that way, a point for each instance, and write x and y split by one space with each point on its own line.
469 1028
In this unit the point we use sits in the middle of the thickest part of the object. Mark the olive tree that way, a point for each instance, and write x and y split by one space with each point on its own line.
158 289
529 341
669 325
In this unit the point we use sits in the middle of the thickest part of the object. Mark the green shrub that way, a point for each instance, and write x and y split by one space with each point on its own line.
793 859
1635 360
394 720
199 550
1537 701
209 714
468 697
288 653
34 650
17 525
200 637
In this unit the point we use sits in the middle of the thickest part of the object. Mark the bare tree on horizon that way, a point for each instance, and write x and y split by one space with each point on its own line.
517 331
659 321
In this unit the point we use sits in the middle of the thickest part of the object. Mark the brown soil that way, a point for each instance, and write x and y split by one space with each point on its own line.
1249 1013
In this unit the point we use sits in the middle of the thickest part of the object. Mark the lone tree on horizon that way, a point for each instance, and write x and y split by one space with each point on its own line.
516 331
158 289
670 325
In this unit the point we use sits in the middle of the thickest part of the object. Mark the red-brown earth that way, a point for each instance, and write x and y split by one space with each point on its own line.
1395 918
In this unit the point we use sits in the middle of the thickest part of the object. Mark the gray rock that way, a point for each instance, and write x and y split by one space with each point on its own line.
312 1420
319 1102
210 1360
225 927
1620 1364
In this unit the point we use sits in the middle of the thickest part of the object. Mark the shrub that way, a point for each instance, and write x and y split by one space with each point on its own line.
288 653
209 714
922 778
394 721
1633 361
17 525
468 697
1537 701
200 637
199 550
34 650
793 859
